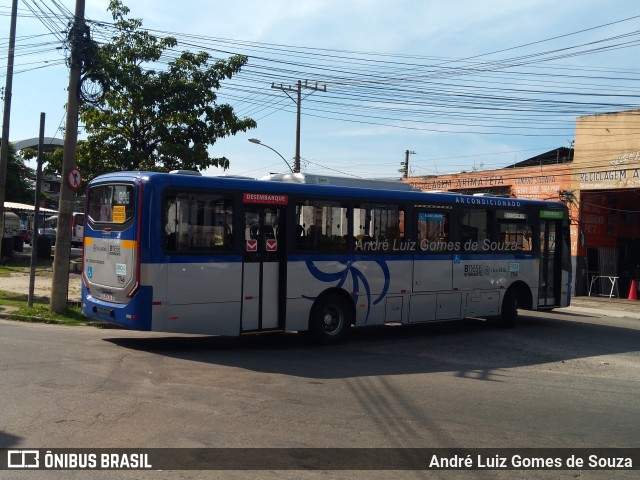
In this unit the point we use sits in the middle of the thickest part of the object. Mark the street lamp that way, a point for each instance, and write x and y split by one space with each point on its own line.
258 142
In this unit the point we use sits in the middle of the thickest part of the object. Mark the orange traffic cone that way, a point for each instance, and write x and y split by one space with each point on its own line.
633 291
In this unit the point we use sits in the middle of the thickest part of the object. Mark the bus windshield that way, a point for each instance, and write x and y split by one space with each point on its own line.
111 203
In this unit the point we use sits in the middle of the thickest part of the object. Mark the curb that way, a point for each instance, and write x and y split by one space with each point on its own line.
599 312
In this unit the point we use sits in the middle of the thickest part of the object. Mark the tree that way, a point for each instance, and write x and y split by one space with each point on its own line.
20 185
90 165
148 119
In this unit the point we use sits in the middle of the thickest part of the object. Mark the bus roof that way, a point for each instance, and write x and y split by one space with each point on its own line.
312 179
296 188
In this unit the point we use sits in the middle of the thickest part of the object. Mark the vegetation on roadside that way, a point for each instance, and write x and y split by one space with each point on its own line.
39 312
41 271
22 263
7 270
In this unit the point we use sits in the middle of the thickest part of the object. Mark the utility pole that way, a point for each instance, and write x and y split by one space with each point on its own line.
36 213
296 164
405 173
298 102
60 281
4 149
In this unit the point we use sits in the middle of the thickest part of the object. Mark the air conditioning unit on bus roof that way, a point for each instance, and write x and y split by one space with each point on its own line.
186 172
237 177
312 179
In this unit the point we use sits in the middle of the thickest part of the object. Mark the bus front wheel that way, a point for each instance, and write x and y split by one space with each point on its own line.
330 319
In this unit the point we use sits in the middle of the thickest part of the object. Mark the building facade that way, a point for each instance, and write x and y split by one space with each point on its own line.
600 183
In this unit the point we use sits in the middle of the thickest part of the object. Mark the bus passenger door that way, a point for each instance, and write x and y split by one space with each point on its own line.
432 268
263 270
548 293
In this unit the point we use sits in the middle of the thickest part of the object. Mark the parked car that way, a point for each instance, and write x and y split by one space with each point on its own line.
26 235
49 233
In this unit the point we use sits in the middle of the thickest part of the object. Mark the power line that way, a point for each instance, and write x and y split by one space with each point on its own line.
529 95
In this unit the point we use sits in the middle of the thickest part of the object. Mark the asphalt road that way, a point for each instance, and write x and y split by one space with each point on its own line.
557 380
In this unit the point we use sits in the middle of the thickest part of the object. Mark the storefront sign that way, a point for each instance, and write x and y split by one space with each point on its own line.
536 186
610 179
628 158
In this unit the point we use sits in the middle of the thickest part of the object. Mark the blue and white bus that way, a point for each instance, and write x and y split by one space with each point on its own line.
222 256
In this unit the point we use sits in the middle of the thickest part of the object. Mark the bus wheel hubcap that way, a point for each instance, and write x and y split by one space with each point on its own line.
332 320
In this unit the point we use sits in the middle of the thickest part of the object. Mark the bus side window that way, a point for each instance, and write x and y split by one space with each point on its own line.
433 231
228 236
197 223
299 236
376 224
312 238
515 236
475 229
514 233
321 225
170 224
171 241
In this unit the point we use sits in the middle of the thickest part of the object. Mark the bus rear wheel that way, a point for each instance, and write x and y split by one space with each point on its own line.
330 319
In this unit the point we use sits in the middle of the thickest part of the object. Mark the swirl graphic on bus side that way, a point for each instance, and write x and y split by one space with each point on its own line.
358 279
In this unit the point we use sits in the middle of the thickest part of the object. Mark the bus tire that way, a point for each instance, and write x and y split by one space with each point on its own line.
330 319
509 313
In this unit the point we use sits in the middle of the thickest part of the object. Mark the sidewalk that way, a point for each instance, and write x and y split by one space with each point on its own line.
604 306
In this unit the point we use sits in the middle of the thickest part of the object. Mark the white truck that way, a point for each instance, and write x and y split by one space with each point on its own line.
11 233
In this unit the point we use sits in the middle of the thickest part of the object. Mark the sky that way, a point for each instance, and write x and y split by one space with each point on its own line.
464 85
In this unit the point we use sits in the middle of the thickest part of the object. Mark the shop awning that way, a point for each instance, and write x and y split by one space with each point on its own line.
23 207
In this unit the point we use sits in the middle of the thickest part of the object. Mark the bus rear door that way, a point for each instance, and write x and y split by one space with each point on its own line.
263 277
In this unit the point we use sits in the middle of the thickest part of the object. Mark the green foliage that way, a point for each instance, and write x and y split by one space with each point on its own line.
18 186
39 312
152 119
88 162
16 305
